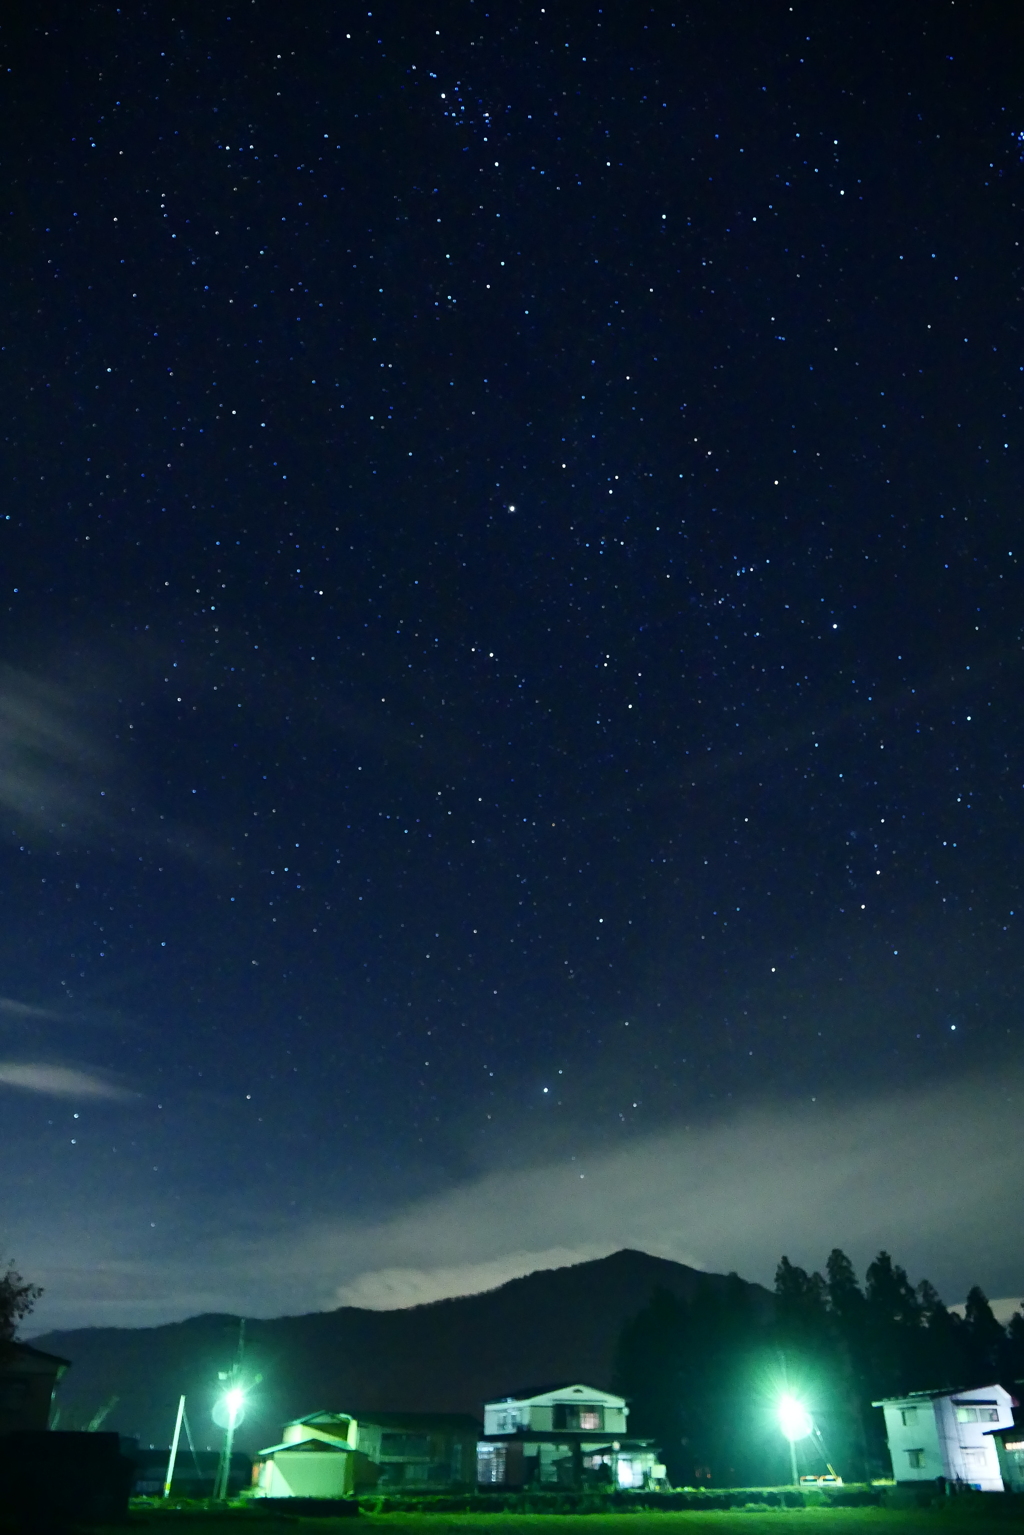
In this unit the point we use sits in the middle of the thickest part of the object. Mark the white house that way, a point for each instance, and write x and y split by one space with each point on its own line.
564 1436
942 1433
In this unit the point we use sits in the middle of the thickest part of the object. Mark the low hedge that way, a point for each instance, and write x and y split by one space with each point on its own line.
566 1501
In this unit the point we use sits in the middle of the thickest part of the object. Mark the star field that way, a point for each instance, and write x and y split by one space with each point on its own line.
511 593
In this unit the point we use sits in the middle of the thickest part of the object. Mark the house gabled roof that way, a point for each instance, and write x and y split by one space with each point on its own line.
913 1398
561 1392
320 1446
320 1417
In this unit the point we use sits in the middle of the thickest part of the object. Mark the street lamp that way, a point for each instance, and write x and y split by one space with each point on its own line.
796 1423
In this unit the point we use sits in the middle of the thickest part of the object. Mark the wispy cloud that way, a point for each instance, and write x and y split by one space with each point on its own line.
64 778
1003 1306
388 1289
923 1174
15 1009
883 1172
59 1081
49 760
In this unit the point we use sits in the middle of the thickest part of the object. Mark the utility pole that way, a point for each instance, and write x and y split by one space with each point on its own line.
174 1449
233 1400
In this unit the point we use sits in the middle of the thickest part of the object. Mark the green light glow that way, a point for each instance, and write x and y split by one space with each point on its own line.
794 1419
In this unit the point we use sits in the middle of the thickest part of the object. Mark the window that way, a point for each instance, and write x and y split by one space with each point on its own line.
490 1464
587 1415
908 1414
916 1459
977 1415
409 1446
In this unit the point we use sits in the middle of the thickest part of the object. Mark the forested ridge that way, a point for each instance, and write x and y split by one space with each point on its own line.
704 1374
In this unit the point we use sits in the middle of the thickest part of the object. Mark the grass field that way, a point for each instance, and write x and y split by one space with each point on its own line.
982 1515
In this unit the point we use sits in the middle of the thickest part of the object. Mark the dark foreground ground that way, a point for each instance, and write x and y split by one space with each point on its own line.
981 1515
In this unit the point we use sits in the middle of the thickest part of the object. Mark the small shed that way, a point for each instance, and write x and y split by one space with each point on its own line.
1009 1447
334 1454
28 1380
310 1467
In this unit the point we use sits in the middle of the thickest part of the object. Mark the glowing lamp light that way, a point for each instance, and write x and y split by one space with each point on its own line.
794 1419
229 1410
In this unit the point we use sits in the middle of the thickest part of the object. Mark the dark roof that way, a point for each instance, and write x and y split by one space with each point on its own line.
10 1352
420 1420
933 1396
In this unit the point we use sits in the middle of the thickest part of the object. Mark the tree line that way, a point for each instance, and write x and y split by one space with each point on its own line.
704 1376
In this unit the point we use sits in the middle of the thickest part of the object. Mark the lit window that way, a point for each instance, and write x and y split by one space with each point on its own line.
587 1416
967 1415
490 1463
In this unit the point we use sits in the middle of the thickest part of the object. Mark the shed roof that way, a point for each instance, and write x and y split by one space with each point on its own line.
18 1355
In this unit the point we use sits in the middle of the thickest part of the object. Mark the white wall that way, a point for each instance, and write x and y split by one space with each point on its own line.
956 1449
306 1474
537 1412
970 1453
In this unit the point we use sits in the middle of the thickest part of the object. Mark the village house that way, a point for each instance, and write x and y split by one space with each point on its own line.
947 1434
569 1436
332 1455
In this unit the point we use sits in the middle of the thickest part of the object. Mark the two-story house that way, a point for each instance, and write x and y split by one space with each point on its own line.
571 1436
947 1434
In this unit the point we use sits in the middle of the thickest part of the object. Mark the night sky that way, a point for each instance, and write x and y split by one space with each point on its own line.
511 609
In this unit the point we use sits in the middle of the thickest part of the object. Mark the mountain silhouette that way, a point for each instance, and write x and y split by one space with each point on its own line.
555 1325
